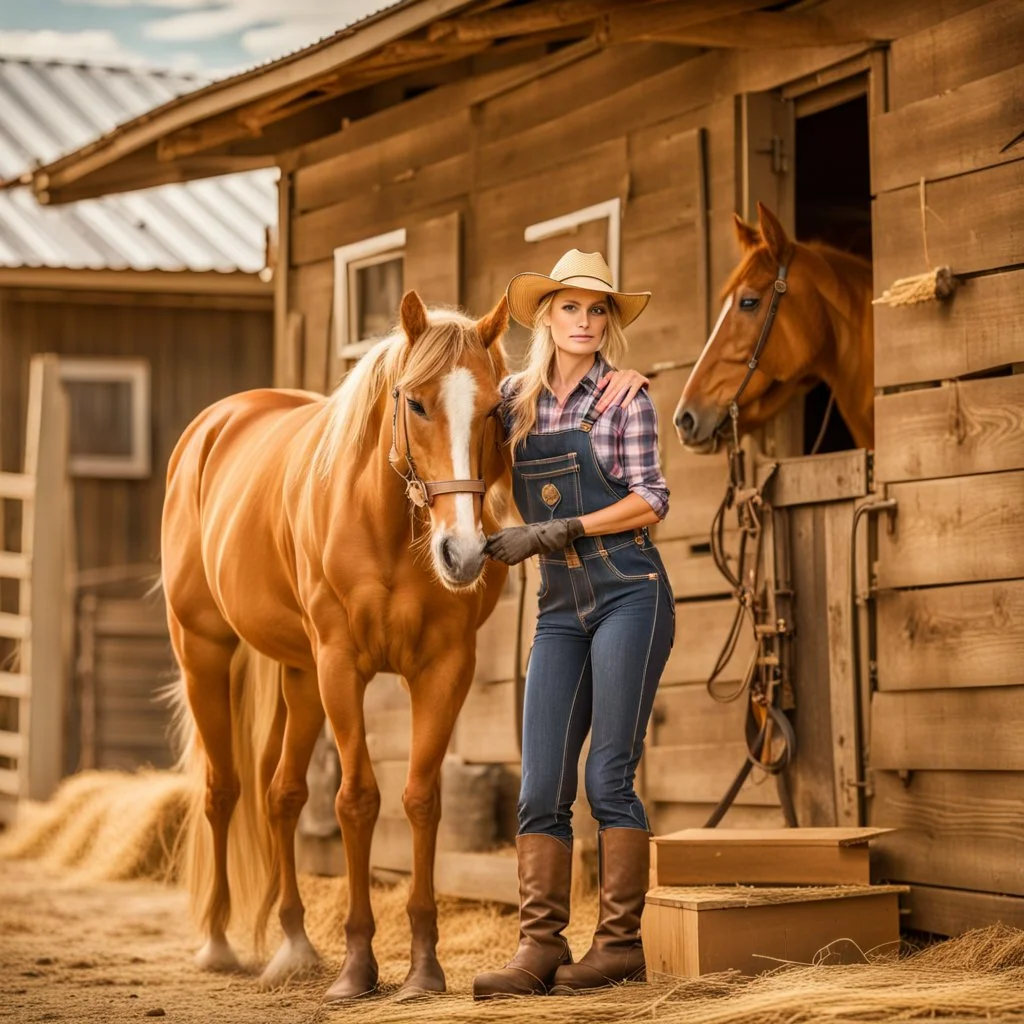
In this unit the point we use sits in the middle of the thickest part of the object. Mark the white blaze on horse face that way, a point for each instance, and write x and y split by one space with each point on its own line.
458 393
726 306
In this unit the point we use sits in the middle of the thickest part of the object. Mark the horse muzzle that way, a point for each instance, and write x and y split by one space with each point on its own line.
696 428
459 560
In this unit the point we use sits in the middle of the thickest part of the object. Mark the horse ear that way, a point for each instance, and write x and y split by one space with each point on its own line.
413 316
746 234
494 324
774 234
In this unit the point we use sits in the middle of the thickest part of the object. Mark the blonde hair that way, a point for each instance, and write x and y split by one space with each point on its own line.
393 362
526 386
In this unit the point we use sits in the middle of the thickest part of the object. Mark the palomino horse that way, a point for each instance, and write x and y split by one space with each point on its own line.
288 533
793 314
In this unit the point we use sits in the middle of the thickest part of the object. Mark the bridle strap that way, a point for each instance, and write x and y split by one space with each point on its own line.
778 290
422 492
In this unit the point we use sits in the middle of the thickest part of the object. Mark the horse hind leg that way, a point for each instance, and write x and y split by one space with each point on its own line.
206 670
286 796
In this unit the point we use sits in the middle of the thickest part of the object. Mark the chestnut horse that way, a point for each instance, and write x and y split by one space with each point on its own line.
822 331
290 540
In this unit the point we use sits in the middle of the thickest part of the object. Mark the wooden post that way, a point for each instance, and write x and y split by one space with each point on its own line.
43 595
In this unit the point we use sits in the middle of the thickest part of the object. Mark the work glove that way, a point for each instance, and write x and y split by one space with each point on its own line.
515 543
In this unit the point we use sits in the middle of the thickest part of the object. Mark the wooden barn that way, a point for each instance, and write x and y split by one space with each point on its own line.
152 305
446 145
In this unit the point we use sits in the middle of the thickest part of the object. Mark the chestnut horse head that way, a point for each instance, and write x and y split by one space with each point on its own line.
792 314
439 376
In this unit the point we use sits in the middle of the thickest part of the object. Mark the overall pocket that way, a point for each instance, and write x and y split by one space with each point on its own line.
548 488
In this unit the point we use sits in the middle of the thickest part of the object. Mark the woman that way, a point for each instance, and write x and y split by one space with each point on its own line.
587 489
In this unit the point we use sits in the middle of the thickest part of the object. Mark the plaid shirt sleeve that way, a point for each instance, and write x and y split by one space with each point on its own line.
638 453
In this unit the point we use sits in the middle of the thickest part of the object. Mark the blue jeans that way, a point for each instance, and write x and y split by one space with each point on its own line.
603 636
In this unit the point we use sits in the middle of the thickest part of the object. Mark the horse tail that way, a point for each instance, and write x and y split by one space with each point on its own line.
257 728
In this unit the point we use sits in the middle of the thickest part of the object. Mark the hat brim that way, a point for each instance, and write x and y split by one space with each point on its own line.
525 292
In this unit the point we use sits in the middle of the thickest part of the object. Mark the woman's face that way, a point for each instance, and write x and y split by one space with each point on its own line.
578 319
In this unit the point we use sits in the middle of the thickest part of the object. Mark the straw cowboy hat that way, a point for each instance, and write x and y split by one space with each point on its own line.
575 269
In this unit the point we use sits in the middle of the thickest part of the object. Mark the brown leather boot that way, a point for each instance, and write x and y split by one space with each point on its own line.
545 871
617 954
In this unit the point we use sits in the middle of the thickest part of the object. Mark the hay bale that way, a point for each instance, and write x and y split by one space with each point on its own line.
106 825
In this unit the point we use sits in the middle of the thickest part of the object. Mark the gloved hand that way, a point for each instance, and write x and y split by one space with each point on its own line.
515 543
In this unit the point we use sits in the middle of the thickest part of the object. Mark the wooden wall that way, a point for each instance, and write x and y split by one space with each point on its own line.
196 356
947 716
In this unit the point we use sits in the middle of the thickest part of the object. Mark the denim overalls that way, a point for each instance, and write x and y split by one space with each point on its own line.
605 628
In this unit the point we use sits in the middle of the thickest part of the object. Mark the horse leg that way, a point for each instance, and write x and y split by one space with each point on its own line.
437 698
286 797
206 665
357 805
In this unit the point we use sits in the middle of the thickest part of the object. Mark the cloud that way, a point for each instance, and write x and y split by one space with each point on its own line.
268 27
93 46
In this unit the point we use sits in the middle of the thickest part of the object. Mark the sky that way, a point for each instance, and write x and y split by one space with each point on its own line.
210 37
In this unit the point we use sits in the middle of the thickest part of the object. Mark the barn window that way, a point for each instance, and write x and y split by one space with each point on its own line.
368 281
108 417
611 208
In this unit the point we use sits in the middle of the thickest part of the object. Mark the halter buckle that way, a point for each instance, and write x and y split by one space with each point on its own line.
780 286
416 492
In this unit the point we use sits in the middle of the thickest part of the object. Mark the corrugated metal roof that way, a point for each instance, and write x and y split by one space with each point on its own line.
49 108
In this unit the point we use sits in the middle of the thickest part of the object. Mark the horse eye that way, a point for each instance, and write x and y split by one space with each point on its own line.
416 407
748 304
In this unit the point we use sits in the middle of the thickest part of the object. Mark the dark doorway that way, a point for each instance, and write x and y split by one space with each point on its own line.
833 205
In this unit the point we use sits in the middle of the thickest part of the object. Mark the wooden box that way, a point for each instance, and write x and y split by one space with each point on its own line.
701 930
763 856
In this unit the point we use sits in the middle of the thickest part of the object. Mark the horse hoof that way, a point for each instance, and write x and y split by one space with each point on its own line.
217 955
293 958
425 979
357 979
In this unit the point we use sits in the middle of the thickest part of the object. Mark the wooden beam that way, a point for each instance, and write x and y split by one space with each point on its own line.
757 30
665 19
187 282
527 19
952 911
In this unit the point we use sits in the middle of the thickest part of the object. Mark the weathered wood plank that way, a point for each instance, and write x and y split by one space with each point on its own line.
485 732
813 479
316 234
689 716
939 637
954 51
14 565
957 530
981 329
960 829
965 427
959 131
433 259
953 911
19 486
701 631
673 817
976 729
387 161
843 696
975 222
489 877
496 643
690 567
702 773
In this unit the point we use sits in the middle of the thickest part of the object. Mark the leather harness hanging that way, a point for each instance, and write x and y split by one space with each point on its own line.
763 680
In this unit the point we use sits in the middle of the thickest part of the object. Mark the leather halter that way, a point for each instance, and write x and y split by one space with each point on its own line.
778 290
419 491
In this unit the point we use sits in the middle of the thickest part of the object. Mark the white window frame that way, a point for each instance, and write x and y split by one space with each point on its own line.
136 373
610 208
347 260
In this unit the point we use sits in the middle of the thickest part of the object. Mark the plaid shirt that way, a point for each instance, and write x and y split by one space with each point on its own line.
625 440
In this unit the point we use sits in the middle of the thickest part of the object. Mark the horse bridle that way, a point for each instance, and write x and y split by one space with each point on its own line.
778 290
419 491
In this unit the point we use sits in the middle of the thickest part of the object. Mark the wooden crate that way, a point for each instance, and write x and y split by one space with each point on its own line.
764 856
701 930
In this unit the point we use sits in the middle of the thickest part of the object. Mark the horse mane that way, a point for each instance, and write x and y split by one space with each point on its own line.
393 362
